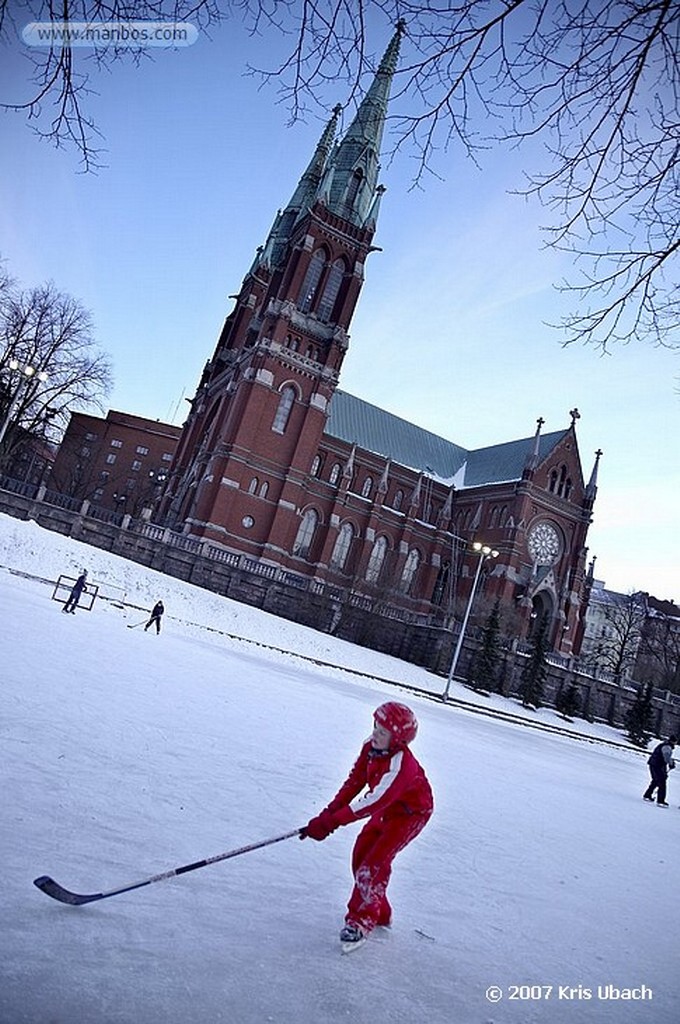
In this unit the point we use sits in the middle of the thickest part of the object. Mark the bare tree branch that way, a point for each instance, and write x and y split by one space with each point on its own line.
596 84
50 333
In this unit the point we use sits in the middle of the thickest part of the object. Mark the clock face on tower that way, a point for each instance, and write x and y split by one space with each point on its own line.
543 543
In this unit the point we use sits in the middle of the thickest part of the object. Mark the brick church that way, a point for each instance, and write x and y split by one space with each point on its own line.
275 461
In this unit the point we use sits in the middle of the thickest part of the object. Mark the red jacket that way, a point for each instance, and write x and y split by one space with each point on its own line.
396 782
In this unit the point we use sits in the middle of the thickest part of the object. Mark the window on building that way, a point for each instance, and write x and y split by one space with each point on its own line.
311 281
377 560
408 572
305 534
136 466
90 437
316 465
441 585
252 486
116 443
330 292
104 476
398 501
141 450
367 487
283 412
335 473
85 452
264 489
110 459
98 493
343 542
166 457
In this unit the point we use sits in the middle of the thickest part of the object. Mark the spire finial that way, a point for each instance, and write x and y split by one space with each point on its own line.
532 457
591 489
575 415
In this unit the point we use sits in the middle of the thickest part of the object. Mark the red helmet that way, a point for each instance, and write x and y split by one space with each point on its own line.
399 721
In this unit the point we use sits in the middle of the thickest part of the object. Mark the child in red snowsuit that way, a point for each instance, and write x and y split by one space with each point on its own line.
398 805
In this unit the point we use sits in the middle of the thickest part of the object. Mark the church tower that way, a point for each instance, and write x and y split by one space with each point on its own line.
262 402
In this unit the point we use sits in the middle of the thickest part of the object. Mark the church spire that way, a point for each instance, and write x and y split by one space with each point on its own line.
303 196
354 164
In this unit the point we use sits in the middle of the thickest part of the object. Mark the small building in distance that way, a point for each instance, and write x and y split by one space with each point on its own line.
119 462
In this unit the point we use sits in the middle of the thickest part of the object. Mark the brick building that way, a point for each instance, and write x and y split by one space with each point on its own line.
119 462
277 462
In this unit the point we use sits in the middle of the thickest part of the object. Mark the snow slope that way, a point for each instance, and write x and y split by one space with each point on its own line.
126 754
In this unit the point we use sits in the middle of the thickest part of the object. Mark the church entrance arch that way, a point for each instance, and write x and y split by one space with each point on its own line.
542 608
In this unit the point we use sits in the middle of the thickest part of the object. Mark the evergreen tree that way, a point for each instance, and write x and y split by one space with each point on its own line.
638 718
484 669
568 701
535 671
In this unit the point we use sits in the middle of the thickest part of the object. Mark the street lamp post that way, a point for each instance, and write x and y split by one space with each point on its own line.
484 552
28 373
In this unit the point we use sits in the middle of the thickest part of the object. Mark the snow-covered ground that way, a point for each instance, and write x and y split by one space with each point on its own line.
126 754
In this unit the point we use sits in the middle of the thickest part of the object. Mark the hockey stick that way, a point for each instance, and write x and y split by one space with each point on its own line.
137 624
75 899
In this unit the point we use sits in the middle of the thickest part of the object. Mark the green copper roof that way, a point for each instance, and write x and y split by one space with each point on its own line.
506 461
357 422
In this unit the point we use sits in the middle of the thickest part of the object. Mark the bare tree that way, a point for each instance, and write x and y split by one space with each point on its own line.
624 622
597 84
658 660
49 364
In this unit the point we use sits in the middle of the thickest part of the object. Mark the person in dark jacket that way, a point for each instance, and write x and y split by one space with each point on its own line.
156 615
396 807
74 597
660 763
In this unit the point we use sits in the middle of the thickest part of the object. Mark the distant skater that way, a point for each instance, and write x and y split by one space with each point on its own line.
660 763
156 616
74 597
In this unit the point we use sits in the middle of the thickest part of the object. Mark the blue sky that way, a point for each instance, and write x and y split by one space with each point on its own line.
450 331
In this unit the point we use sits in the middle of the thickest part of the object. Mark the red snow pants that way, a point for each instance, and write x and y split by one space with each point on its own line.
376 846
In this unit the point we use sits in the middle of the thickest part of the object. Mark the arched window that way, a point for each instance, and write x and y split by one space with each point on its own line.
563 480
367 487
316 465
398 501
343 543
252 487
335 473
264 489
330 292
493 521
567 488
305 534
283 412
441 583
553 481
311 281
377 560
410 568
355 184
